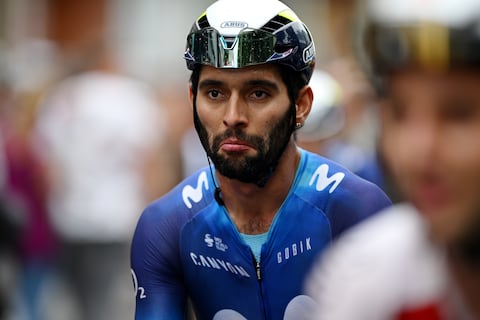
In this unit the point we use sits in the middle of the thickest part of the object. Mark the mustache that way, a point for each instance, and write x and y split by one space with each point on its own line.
236 133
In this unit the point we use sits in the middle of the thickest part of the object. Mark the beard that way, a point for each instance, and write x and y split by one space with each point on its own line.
249 169
467 246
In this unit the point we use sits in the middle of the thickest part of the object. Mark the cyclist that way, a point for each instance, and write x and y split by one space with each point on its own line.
322 131
237 237
420 259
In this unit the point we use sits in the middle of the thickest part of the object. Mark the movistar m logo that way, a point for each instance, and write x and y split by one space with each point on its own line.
195 194
323 180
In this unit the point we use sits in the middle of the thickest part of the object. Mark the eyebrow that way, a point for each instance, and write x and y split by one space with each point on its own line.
253 83
264 83
209 83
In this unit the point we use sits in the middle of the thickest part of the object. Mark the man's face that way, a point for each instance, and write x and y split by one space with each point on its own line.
431 143
244 120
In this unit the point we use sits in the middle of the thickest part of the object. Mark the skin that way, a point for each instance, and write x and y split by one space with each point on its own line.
252 101
430 140
431 134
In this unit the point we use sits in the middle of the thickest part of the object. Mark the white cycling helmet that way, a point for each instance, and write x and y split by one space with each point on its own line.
434 35
235 34
327 116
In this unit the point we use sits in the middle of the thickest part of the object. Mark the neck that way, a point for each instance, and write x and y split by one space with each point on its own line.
252 208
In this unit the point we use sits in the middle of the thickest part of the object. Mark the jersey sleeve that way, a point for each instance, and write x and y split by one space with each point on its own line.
377 269
156 270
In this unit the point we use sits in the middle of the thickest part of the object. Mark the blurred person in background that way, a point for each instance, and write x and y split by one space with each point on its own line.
104 134
191 152
322 130
26 193
237 237
419 259
24 187
10 223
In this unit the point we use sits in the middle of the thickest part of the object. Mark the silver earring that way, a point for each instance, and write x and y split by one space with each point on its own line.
298 125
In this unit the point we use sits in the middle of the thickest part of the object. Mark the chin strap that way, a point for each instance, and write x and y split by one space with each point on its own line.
218 192
218 196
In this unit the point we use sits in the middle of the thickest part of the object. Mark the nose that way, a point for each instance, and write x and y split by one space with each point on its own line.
235 112
418 143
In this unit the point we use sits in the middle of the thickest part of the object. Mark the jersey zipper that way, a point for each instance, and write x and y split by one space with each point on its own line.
258 272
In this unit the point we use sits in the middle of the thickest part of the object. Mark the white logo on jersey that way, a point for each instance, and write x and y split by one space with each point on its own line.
195 194
323 181
299 308
136 287
219 245
219 264
294 250
228 314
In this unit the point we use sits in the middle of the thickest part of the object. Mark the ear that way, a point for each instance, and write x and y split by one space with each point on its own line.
190 95
304 104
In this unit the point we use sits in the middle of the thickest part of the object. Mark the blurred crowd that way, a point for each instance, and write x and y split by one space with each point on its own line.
95 123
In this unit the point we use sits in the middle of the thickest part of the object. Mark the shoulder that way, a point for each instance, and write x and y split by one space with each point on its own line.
390 250
326 174
156 238
179 205
336 189
399 226
391 237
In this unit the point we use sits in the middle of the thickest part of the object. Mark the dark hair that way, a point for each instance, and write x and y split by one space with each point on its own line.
293 80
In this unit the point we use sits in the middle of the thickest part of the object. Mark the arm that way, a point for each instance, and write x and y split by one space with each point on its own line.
376 270
156 270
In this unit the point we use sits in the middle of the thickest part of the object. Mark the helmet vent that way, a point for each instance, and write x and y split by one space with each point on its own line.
275 23
229 41
203 22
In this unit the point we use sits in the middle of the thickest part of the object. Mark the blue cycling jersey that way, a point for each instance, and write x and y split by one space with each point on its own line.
186 246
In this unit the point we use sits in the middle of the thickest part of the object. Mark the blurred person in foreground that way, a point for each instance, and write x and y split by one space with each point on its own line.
419 259
103 134
237 238
322 130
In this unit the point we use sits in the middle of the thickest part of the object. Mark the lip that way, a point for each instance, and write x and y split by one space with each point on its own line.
234 145
429 197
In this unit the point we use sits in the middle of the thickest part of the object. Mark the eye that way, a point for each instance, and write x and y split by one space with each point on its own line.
213 93
459 110
259 94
